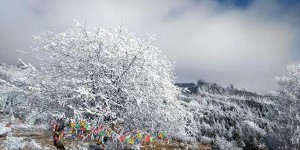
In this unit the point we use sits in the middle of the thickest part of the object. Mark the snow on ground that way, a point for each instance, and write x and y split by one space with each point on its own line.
4 130
14 142
34 145
15 136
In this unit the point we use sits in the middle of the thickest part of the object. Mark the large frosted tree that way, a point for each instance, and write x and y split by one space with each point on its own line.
93 73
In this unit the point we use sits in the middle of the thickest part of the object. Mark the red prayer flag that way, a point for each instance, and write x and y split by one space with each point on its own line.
147 138
122 138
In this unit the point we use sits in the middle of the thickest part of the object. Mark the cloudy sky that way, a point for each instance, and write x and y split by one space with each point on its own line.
244 42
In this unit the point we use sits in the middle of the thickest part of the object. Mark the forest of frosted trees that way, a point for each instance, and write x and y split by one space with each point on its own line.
111 75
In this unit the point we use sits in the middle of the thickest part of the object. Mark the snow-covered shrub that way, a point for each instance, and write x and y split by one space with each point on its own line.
253 136
223 144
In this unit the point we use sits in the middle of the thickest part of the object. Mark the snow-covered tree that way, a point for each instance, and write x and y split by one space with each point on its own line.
289 103
93 73
13 88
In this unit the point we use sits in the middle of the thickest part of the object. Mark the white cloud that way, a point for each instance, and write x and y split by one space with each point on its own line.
246 47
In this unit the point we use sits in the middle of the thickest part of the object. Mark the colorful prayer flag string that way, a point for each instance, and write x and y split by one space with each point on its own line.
101 134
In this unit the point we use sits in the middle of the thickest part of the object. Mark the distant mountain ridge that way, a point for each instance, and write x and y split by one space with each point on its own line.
214 88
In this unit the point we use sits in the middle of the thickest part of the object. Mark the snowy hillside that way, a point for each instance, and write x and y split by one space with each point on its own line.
237 117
